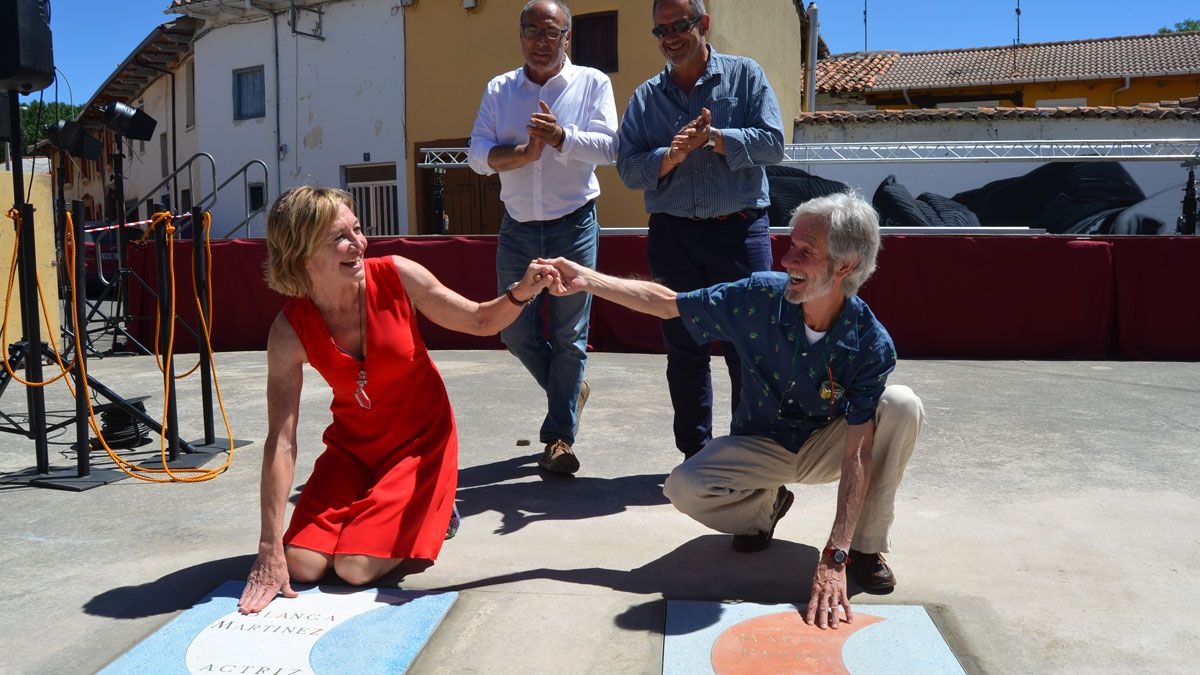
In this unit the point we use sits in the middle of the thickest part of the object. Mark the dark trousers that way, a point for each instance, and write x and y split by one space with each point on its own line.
687 254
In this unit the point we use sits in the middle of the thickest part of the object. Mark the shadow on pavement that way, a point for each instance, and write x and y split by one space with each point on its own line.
176 591
705 568
552 497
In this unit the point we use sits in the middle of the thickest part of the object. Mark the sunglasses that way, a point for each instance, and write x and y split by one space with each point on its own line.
530 32
662 30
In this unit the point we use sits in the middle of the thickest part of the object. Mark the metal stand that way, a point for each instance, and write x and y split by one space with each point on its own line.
1187 219
30 351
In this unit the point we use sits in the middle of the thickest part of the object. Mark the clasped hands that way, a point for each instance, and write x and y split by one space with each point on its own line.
692 136
559 276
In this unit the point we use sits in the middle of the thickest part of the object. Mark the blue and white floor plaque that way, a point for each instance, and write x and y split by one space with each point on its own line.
733 638
324 630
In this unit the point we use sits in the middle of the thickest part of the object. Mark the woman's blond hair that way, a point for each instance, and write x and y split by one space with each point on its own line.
296 225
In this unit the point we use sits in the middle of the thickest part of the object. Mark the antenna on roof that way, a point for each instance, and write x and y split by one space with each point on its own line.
864 25
1018 42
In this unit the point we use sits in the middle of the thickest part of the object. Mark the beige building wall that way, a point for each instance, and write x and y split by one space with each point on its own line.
451 54
770 33
42 201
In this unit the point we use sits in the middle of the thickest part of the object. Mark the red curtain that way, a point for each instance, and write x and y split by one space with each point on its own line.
939 296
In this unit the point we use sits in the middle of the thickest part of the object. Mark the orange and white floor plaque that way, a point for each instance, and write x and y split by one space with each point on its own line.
740 638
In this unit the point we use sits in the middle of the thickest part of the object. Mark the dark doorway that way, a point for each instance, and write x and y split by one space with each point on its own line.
471 202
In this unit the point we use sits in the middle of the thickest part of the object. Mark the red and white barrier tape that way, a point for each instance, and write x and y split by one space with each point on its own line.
139 223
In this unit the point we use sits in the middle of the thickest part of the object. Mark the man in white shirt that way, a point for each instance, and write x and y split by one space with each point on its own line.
544 127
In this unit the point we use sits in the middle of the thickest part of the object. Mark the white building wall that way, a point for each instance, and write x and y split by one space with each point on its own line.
1161 181
143 159
340 101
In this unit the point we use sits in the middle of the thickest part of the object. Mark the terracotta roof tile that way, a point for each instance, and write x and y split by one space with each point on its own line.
853 72
1139 55
1145 111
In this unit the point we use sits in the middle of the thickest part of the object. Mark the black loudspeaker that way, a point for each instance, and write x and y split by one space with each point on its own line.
26 52
5 122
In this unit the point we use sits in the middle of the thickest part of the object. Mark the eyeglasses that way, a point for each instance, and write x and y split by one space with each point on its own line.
662 30
531 32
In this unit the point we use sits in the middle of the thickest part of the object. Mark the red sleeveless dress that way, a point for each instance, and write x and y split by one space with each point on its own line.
385 484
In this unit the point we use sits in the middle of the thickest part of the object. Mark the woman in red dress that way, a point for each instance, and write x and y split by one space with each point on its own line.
383 489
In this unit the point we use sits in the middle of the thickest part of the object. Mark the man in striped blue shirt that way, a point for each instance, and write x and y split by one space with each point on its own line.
695 139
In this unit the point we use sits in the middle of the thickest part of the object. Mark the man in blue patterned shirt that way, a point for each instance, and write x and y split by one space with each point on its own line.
695 139
815 406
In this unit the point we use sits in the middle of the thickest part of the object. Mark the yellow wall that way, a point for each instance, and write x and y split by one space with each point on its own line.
42 201
450 54
1097 92
770 35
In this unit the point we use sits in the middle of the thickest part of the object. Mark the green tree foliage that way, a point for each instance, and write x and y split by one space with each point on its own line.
36 116
1182 26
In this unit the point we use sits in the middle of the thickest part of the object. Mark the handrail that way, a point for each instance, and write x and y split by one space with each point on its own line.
244 173
186 165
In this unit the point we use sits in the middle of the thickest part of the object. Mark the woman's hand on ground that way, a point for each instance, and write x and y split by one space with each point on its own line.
268 576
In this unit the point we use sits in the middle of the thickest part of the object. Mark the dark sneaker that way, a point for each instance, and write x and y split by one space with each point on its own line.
558 458
871 572
455 521
752 543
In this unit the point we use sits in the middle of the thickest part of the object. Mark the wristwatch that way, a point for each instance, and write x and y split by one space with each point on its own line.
711 143
508 293
836 555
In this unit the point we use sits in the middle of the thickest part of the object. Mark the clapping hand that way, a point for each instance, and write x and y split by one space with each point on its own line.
544 127
693 135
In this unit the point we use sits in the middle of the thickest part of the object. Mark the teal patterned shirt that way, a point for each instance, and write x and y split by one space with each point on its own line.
782 374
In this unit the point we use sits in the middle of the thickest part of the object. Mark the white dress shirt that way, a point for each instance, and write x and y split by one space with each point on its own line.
562 180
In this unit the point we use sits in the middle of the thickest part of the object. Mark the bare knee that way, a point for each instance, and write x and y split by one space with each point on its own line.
306 566
360 570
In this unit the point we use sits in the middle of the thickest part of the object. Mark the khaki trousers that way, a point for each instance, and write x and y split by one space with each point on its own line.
731 484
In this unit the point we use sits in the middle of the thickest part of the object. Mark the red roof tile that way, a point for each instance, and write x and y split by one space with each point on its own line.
853 72
1149 111
1115 57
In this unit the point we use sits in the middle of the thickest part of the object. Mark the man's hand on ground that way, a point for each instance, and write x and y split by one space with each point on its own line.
828 594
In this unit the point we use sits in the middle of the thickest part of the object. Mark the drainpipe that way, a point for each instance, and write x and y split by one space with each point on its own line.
278 132
1113 97
814 32
279 150
906 98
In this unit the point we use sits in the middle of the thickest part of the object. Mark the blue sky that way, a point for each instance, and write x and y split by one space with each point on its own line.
92 37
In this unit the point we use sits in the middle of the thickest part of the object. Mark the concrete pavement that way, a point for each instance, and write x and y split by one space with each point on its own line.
1046 521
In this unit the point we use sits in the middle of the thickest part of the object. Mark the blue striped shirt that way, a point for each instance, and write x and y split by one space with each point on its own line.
705 184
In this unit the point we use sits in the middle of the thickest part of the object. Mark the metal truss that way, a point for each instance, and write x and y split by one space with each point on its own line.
935 151
444 158
994 151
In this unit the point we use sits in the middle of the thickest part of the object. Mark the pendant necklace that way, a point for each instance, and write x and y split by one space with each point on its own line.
360 394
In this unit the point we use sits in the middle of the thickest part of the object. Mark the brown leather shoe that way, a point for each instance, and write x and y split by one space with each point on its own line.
558 458
752 543
871 572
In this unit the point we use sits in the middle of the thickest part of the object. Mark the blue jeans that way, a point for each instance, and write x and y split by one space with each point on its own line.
684 255
556 363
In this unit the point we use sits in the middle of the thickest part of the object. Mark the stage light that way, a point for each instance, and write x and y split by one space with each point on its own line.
70 138
127 121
